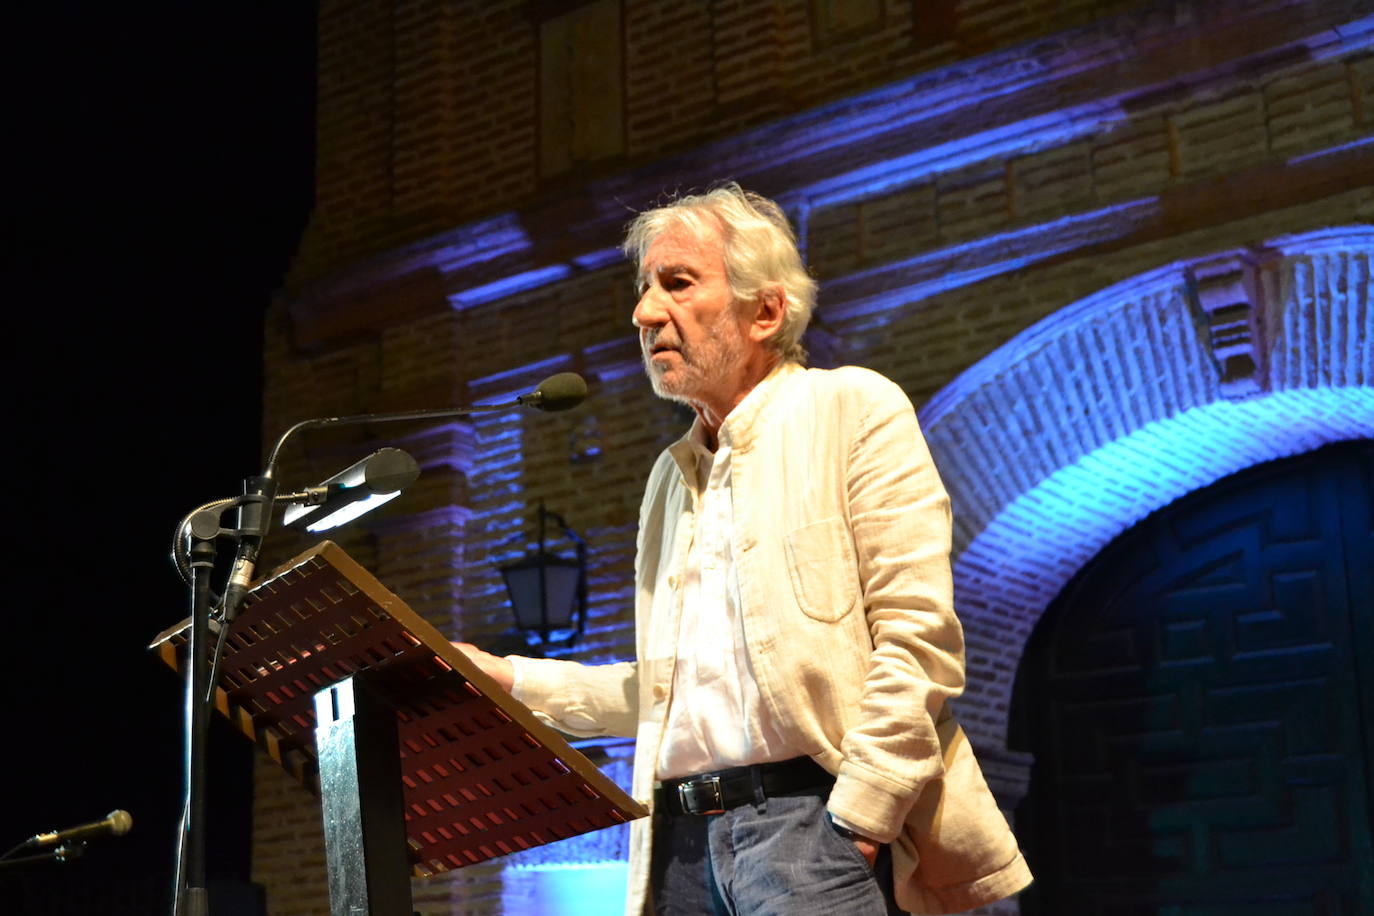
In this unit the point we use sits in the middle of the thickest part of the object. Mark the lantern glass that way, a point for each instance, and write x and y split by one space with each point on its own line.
559 600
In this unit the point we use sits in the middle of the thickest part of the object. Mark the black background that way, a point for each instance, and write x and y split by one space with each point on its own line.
160 177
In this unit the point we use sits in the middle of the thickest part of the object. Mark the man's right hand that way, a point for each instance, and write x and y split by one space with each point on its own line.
496 667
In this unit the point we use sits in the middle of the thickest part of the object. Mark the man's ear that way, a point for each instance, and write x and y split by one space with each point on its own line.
768 315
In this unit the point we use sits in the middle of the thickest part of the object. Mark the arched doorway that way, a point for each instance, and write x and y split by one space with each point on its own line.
1199 703
1114 406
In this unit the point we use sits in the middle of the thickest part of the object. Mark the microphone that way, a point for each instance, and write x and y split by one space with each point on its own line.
557 392
116 823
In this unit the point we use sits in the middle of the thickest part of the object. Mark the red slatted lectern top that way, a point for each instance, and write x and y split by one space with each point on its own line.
482 777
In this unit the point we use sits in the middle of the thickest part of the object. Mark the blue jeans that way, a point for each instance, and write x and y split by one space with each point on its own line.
777 857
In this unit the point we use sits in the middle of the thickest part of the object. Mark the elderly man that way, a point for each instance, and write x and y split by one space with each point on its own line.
796 643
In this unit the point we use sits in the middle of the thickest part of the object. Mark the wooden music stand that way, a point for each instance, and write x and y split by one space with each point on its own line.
422 763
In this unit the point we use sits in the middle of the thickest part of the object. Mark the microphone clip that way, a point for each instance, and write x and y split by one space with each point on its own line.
68 851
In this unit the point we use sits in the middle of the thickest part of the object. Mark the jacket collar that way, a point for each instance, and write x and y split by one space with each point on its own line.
741 427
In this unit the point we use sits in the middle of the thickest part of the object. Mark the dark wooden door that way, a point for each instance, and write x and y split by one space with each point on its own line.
1199 702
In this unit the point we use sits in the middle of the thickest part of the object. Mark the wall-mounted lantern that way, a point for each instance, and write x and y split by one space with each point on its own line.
549 592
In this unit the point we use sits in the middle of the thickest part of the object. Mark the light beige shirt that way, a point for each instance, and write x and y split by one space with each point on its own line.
841 544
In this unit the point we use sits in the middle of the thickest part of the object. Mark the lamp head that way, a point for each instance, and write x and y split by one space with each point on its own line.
378 478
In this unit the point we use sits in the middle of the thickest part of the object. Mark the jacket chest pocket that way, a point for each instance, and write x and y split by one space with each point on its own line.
820 561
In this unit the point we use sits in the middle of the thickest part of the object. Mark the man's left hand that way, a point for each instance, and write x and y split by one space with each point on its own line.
867 848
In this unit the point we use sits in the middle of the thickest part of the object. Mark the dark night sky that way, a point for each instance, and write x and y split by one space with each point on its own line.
162 181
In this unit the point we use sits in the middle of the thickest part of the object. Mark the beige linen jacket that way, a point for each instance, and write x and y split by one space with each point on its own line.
841 544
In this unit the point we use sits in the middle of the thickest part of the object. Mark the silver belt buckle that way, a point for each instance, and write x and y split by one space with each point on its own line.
701 796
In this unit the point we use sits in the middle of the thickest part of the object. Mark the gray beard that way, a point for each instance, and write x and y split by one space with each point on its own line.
702 365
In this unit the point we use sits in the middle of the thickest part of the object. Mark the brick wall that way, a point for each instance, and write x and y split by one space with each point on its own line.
428 110
960 174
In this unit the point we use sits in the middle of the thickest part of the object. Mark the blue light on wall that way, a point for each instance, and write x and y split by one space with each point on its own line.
509 286
565 890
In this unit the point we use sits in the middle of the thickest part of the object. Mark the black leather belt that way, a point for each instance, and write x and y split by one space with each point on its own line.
713 793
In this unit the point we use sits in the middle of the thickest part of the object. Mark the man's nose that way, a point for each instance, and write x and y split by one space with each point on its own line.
649 311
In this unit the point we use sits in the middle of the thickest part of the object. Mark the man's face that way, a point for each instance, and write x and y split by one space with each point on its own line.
690 333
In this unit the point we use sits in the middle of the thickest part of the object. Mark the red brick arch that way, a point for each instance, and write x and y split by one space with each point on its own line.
1116 405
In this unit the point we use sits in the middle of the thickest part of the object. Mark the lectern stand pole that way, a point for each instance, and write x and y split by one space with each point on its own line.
360 793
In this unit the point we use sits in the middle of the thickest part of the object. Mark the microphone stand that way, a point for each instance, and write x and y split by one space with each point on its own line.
64 853
192 896
201 529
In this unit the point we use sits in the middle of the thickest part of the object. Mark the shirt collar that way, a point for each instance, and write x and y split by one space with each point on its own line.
741 426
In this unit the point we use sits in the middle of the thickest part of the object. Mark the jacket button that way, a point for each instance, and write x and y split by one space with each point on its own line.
660 691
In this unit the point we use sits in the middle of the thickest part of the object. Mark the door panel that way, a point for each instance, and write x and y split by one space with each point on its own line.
1193 701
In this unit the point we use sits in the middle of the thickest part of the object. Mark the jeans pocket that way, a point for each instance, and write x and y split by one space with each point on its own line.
848 847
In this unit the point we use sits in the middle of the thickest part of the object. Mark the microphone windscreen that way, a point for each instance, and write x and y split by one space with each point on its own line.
561 391
120 822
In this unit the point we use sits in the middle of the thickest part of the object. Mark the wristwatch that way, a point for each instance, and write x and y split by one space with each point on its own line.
845 831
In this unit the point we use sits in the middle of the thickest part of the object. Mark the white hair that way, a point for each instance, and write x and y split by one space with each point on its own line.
760 252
